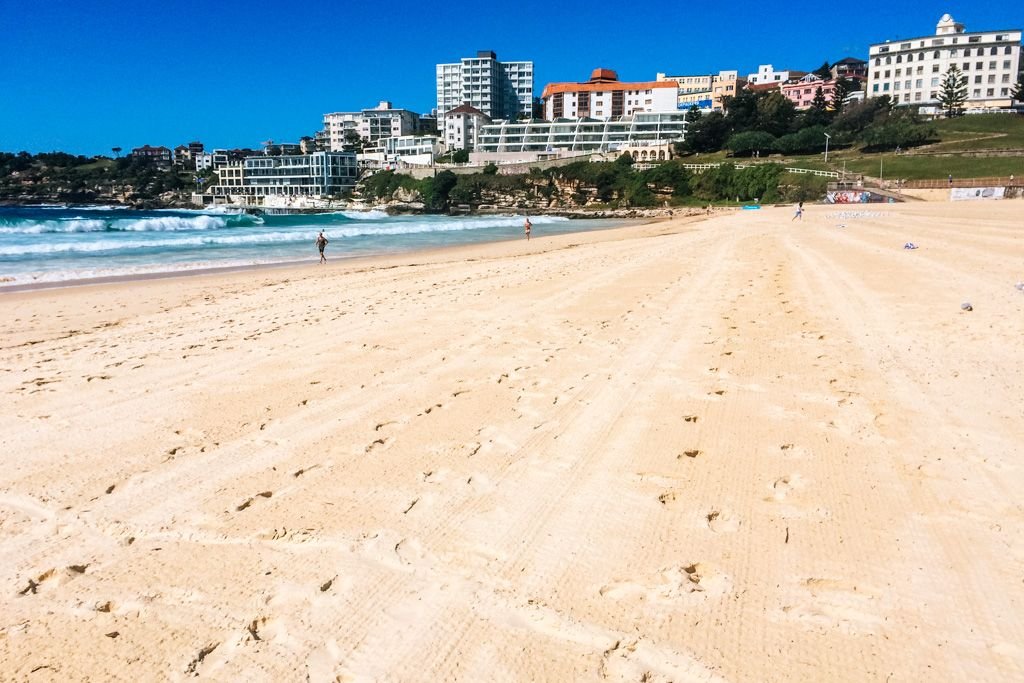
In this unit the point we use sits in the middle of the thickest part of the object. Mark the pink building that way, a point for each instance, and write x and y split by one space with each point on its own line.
801 93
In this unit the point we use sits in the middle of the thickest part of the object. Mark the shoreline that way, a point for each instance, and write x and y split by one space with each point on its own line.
201 271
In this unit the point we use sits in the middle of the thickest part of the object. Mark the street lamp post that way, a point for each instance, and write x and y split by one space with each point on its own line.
827 138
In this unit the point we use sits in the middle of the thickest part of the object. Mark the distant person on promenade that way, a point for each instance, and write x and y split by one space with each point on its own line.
951 180
526 228
799 212
321 243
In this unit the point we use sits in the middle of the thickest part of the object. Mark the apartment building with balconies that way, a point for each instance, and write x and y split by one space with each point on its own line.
604 96
501 90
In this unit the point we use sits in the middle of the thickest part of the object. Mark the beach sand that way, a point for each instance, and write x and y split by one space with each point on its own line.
734 449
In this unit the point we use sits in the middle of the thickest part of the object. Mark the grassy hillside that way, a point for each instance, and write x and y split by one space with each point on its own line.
980 132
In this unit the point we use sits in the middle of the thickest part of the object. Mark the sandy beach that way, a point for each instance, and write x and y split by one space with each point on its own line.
734 449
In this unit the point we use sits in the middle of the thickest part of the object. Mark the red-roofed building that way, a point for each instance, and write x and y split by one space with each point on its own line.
161 156
605 96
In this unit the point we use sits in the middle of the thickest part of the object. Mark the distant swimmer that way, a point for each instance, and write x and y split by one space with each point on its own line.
799 212
526 228
321 243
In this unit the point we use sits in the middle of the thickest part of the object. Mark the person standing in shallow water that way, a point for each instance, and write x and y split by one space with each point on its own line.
526 228
321 244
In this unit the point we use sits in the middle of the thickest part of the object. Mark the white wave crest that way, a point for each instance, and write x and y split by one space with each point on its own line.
170 223
40 227
373 215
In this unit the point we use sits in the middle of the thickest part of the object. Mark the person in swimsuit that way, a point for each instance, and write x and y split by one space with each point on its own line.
321 243
799 212
526 227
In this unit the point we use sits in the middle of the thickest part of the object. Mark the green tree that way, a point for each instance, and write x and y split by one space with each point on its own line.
116 151
625 159
953 92
352 140
693 114
750 141
842 88
706 135
824 71
805 141
896 131
1018 89
775 113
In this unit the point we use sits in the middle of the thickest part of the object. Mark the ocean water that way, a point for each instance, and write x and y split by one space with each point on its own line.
41 244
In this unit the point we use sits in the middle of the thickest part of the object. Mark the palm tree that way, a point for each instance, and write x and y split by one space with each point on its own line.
116 151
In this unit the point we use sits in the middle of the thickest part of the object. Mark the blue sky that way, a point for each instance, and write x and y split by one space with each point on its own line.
86 75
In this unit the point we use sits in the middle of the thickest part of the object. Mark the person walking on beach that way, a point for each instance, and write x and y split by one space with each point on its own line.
799 212
321 243
526 228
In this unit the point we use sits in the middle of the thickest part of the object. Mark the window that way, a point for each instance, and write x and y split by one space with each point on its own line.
992 79
967 52
886 87
977 79
990 92
1007 50
888 60
899 59
887 73
917 97
1006 78
935 68
875 88
898 72
918 83
1004 92
967 66
1006 64
935 55
979 65
977 93
994 50
952 53
935 82
896 86
991 65
920 56
920 70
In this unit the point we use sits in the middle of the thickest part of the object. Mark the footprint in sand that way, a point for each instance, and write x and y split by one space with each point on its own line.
784 485
721 521
823 604
688 582
53 577
249 501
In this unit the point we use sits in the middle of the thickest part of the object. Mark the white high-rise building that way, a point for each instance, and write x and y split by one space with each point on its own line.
911 71
501 90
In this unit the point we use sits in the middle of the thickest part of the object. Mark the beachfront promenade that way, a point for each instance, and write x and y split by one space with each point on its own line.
733 449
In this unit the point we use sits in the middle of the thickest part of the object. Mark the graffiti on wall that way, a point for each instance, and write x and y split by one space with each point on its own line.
848 197
959 194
